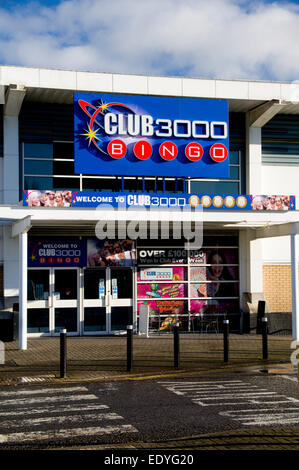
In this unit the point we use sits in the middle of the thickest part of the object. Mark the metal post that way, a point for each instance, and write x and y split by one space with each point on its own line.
265 337
260 315
129 348
63 354
225 339
176 345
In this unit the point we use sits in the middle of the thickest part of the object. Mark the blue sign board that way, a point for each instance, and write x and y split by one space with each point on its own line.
56 252
150 135
235 202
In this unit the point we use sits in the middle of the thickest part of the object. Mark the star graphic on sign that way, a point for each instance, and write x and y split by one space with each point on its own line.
103 106
91 134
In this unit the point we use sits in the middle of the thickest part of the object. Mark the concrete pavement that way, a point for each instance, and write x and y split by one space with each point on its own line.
95 358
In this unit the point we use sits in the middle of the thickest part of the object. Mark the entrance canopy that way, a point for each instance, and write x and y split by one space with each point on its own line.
266 224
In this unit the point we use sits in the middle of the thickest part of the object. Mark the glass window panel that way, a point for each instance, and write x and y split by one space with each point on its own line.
92 280
208 273
66 183
234 157
122 278
130 185
171 186
234 172
94 319
150 185
38 284
65 318
38 167
243 173
214 289
63 168
214 257
34 182
38 150
214 306
214 187
66 283
220 240
63 150
97 184
121 317
38 320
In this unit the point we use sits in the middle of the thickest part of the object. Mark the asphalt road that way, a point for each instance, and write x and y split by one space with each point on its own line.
140 412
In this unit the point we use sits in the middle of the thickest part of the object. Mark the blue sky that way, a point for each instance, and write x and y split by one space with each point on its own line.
197 38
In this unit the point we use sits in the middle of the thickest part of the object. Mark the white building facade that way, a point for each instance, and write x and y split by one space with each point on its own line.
98 287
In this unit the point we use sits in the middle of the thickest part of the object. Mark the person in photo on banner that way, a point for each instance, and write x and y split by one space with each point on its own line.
213 282
49 198
110 253
270 203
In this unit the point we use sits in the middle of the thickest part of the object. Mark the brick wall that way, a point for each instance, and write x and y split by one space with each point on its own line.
278 287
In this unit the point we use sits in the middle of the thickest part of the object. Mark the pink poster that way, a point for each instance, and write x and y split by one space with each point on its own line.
164 290
215 273
164 307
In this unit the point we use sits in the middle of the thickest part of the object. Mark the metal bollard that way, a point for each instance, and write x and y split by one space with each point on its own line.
260 315
265 337
176 345
225 340
129 348
63 354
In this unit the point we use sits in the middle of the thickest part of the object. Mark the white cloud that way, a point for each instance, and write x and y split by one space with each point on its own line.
216 38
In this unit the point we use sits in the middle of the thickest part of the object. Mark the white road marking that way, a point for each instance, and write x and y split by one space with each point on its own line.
60 419
236 393
44 391
41 400
232 413
210 382
239 395
21 437
54 409
27 404
293 379
262 422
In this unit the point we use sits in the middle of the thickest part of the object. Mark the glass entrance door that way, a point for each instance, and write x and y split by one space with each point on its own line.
121 298
38 308
65 300
108 300
55 296
53 300
94 303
